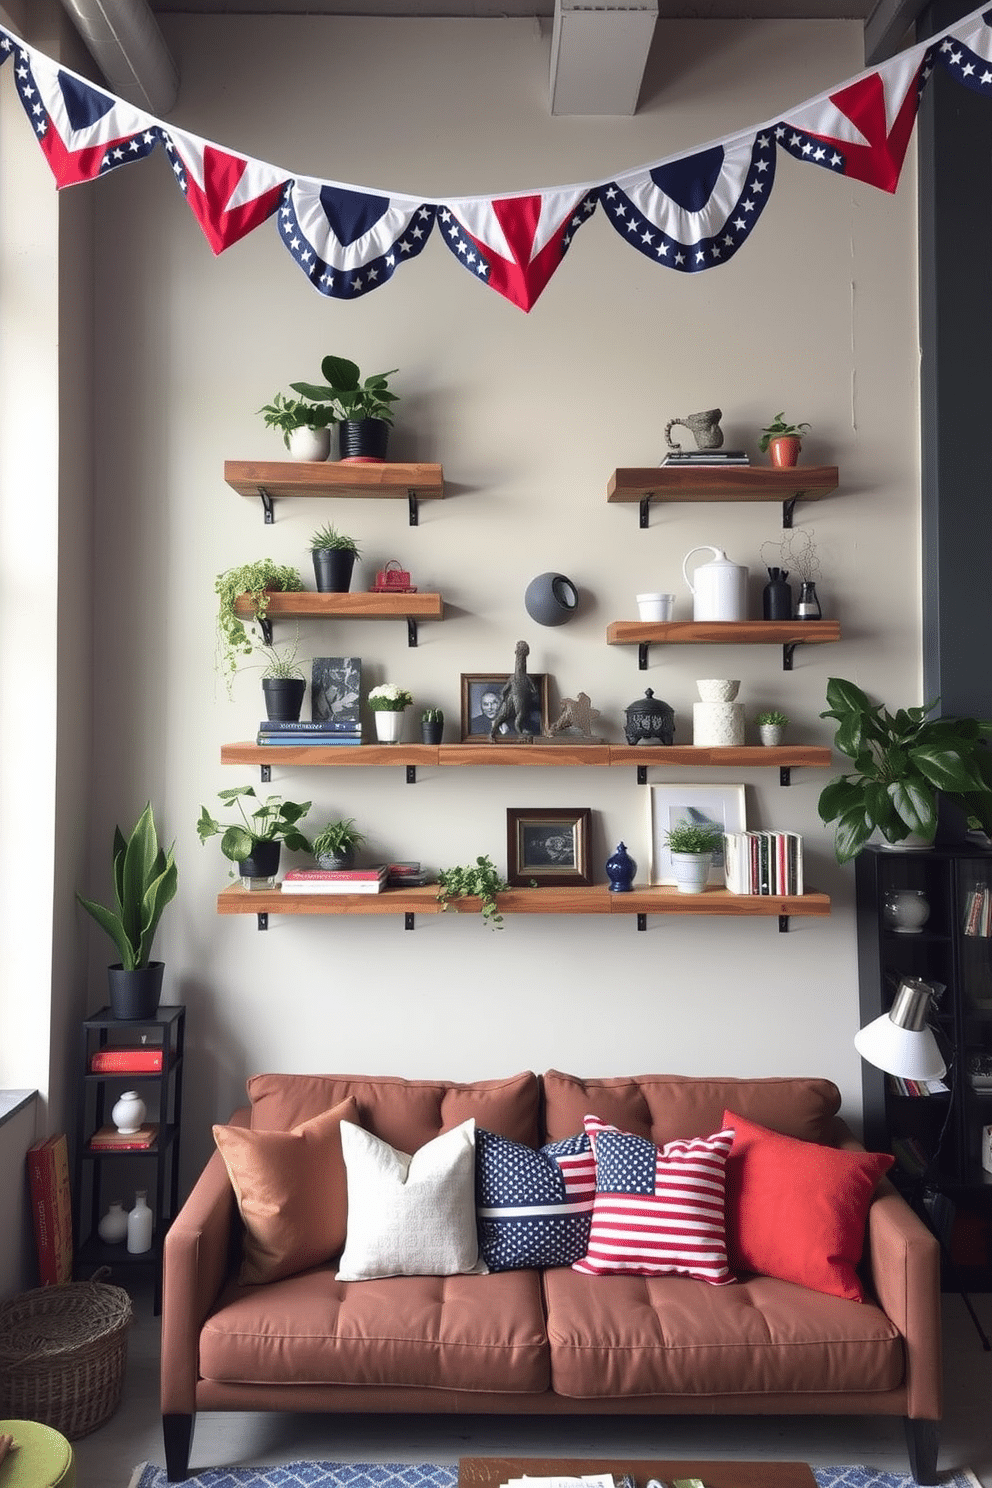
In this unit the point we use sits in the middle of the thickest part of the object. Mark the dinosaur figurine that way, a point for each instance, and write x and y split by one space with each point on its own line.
518 701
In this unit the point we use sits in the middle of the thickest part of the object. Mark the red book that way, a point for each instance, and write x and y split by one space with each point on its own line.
334 875
51 1210
109 1139
126 1061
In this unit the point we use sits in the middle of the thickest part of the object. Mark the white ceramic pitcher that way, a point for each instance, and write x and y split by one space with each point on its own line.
720 588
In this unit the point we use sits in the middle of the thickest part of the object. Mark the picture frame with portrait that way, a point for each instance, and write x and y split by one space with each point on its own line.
547 845
481 692
718 805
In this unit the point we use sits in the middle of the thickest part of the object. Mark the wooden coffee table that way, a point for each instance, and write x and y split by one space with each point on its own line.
490 1472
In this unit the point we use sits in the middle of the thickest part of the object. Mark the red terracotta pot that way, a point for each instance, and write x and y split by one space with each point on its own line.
784 450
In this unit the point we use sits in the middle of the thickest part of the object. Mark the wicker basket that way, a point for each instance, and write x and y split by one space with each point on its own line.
62 1355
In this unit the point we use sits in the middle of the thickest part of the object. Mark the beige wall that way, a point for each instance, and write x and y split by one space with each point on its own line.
529 416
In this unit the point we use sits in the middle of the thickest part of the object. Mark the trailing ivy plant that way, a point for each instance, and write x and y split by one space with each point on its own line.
258 580
480 880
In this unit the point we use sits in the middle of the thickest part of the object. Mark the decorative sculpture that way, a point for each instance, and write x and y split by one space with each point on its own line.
576 713
704 427
519 702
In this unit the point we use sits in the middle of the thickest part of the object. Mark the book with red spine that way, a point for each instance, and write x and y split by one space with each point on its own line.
335 875
109 1139
51 1208
148 1058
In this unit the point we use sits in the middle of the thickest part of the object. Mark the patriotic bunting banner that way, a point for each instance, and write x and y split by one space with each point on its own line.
690 212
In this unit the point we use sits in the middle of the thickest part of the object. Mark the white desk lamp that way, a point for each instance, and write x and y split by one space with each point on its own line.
900 1041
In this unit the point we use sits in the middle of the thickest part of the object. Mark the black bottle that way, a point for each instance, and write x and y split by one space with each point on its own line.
776 597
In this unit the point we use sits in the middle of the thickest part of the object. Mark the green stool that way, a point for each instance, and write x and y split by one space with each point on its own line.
40 1458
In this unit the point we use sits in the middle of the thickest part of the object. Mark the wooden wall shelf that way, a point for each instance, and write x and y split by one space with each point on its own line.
669 483
785 633
306 604
265 480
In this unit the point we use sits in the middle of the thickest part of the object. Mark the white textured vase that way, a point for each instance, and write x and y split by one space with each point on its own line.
389 726
129 1112
771 733
112 1228
309 444
692 871
716 724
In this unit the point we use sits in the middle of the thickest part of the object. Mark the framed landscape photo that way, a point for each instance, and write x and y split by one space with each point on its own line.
715 805
481 696
547 845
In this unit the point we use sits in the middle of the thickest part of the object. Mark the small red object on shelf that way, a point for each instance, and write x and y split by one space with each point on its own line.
396 580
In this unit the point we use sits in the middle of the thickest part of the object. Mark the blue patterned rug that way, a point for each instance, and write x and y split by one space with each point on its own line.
435 1475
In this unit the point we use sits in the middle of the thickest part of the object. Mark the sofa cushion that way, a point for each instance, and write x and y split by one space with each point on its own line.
410 1215
404 1113
624 1336
533 1205
664 1107
290 1188
658 1210
798 1210
477 1333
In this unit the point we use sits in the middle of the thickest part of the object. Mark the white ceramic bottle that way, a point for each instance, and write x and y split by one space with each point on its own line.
140 1225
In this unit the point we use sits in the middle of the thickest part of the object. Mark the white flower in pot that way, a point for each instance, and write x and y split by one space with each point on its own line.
387 702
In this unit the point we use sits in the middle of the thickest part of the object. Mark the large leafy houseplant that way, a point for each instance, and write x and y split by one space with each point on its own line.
145 880
902 762
272 820
349 396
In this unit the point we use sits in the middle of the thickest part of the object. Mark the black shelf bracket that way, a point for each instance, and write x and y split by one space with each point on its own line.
411 497
268 506
408 920
783 924
644 506
265 773
411 631
788 507
265 626
787 653
642 656
785 775
411 774
642 774
263 920
642 922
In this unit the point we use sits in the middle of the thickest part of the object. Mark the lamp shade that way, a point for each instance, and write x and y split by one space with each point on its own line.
900 1042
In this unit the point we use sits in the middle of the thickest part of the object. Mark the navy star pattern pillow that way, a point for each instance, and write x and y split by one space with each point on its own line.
534 1205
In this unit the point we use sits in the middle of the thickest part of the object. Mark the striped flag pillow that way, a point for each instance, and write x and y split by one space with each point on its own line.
533 1205
658 1210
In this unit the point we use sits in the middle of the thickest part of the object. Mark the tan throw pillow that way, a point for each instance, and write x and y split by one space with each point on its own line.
410 1216
292 1193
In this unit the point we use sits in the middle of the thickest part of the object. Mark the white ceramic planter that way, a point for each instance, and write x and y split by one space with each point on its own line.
309 444
692 871
771 733
388 726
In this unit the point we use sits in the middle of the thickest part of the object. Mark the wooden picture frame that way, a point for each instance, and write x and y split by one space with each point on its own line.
722 805
547 845
480 693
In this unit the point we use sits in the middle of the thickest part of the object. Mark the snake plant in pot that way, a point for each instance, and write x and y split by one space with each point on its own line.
903 762
145 880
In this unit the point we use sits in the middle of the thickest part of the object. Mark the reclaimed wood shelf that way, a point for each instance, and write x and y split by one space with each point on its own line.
265 480
785 633
583 899
306 604
670 483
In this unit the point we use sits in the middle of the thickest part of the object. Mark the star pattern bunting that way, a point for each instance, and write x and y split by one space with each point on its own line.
349 241
515 243
533 1206
691 212
83 132
694 211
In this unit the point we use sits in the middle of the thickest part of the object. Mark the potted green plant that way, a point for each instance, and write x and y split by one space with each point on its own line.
145 880
334 555
387 702
250 584
284 683
254 839
432 725
692 845
334 846
771 726
362 408
306 427
479 880
903 762
783 441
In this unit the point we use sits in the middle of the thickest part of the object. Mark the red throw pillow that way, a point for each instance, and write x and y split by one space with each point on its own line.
797 1210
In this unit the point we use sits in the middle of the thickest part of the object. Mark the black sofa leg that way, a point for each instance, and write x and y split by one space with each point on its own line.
178 1434
922 1439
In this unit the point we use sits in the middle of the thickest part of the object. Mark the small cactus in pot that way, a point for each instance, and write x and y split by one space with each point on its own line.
771 726
432 725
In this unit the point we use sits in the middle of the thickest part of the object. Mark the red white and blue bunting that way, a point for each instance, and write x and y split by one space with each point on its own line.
689 212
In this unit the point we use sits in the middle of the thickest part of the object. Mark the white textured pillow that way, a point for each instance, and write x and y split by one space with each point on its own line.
410 1216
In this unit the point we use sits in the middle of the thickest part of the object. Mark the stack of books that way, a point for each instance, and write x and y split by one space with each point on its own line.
763 862
335 880
127 1061
406 876
978 912
706 457
280 731
109 1139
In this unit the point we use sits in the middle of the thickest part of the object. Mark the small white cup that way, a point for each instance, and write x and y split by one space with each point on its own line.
717 689
655 606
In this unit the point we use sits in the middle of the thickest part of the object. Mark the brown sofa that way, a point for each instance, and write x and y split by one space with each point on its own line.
527 1342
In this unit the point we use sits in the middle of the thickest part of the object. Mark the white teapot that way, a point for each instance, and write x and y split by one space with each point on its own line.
720 588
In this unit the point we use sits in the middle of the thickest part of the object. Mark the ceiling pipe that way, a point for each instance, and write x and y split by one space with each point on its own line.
124 39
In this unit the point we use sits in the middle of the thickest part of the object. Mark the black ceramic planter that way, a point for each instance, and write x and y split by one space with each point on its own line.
283 697
135 995
431 733
264 861
363 440
332 569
